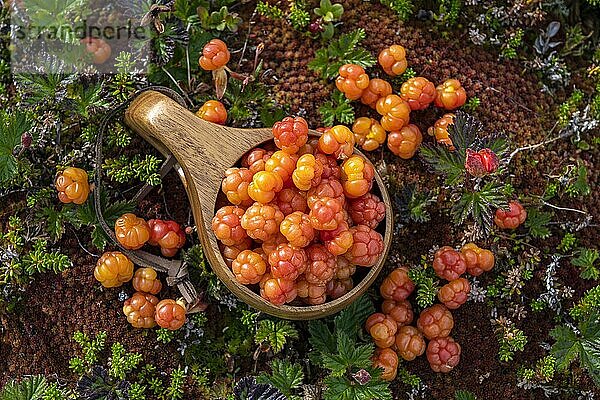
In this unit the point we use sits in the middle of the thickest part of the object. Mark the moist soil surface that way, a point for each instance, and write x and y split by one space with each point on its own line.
37 336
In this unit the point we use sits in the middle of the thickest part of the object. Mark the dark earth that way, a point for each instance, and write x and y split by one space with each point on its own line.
37 338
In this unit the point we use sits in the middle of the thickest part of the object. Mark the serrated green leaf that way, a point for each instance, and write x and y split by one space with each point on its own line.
350 320
349 354
275 333
31 388
285 376
537 222
567 346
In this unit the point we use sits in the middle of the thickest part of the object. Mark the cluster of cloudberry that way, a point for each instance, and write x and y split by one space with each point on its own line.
391 328
301 216
143 309
417 93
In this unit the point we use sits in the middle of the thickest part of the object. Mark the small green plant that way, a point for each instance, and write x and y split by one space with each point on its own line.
411 203
566 109
328 14
404 8
586 261
578 186
542 372
164 335
464 395
175 389
285 376
269 10
512 44
346 357
122 362
578 344
337 109
472 104
30 388
12 128
537 223
298 16
426 284
590 302
449 11
510 338
124 169
219 20
275 333
90 349
567 242
344 50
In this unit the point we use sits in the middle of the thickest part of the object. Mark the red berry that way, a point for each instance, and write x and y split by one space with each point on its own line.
405 142
290 200
297 229
481 163
382 329
400 311
478 260
338 141
450 95
443 354
449 264
166 234
435 321
248 267
337 288
409 343
290 134
386 359
418 92
455 293
377 89
311 293
327 188
326 213
367 246
215 55
256 159
397 285
440 130
235 186
321 265
287 262
339 240
277 290
393 60
357 176
261 221
227 226
352 81
367 210
511 218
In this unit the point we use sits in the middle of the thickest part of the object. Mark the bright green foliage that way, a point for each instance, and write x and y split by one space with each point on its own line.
39 260
472 104
337 109
566 109
343 50
298 16
579 186
513 42
542 372
31 388
586 261
12 127
479 206
344 355
164 335
275 333
122 362
328 13
285 376
175 389
118 136
90 349
426 284
122 85
408 378
124 169
219 20
537 223
136 391
583 345
268 10
567 243
590 302
464 395
404 8
448 11
510 338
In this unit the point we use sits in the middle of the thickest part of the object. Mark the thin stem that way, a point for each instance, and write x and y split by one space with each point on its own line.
178 87
563 208
187 59
562 135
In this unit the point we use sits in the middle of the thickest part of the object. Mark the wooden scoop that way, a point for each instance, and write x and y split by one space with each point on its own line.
204 151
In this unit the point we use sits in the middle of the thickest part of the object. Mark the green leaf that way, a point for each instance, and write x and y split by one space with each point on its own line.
567 346
464 395
585 261
480 206
321 339
351 319
275 333
31 388
340 388
285 376
349 355
337 109
537 222
11 128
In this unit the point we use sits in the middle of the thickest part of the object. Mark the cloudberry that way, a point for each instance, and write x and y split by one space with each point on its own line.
344 269
170 314
337 288
311 293
449 264
395 112
132 232
113 269
377 89
382 329
450 95
352 81
331 169
213 111
290 134
277 290
235 186
443 354
357 176
397 285
368 134
270 245
146 280
440 130
98 48
140 309
310 147
264 186
261 221
478 260
308 172
386 359
282 164
297 229
455 293
405 142
321 264
339 240
227 225
215 55
248 267
166 234
255 159
231 252
290 200
72 185
367 246
400 311
288 262
338 141
326 188
393 60
418 92
367 210
511 218
325 214
409 343
435 321
481 163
